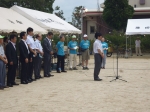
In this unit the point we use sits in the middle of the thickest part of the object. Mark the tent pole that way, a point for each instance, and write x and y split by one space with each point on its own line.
126 52
130 47
67 53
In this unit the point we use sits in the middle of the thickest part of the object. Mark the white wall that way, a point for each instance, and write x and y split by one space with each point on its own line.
137 3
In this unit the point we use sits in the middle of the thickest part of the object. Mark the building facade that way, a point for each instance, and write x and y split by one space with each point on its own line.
139 3
92 19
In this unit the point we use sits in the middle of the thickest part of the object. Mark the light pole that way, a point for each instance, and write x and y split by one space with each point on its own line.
82 11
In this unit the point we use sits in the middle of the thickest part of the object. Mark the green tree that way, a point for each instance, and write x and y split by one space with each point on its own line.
76 17
41 5
59 12
116 13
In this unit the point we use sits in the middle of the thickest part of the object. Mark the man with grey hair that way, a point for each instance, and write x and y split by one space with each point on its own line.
48 52
3 61
38 58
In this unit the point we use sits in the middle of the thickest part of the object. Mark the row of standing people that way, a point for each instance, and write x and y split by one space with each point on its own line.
31 54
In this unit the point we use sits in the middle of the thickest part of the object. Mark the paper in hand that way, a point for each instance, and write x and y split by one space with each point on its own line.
76 47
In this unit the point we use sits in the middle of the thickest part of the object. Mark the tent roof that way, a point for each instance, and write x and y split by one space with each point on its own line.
47 21
13 21
138 26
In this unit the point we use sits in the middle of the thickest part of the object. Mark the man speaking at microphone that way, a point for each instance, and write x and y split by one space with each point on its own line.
98 55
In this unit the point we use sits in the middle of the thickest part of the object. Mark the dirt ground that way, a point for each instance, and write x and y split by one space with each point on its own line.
75 91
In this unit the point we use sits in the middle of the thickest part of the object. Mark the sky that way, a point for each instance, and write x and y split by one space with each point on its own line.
68 5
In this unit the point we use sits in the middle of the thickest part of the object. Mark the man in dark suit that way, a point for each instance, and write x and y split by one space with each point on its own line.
11 55
24 58
48 51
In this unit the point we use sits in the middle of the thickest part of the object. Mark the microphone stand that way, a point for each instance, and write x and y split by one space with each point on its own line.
117 77
79 51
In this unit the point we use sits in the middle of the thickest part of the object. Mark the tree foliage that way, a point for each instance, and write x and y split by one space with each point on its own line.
119 39
59 12
41 5
76 17
117 12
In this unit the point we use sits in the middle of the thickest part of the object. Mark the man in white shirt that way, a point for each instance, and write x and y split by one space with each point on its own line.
38 58
32 47
98 55
138 46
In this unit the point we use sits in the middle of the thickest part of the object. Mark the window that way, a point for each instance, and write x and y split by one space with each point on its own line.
92 29
142 2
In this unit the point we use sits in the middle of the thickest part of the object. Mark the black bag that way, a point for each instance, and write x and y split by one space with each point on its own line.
83 50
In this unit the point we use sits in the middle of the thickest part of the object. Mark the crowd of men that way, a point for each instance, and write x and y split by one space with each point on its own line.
31 54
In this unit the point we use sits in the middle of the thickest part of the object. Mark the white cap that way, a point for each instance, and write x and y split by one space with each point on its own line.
85 35
73 36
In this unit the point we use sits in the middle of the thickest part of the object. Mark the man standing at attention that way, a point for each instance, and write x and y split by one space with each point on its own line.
11 55
84 46
32 48
60 54
73 53
40 53
48 52
3 61
98 55
24 58
138 46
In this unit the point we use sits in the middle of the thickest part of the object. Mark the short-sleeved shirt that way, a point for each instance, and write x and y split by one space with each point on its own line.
72 44
97 45
104 45
137 43
60 47
38 45
30 42
85 44
2 50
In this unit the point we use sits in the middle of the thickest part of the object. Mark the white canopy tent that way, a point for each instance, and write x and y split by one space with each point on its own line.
49 22
13 21
135 27
138 26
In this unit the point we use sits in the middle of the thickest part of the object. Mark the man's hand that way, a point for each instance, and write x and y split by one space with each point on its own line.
26 60
11 63
31 60
5 61
102 55
35 54
42 54
51 52
5 57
